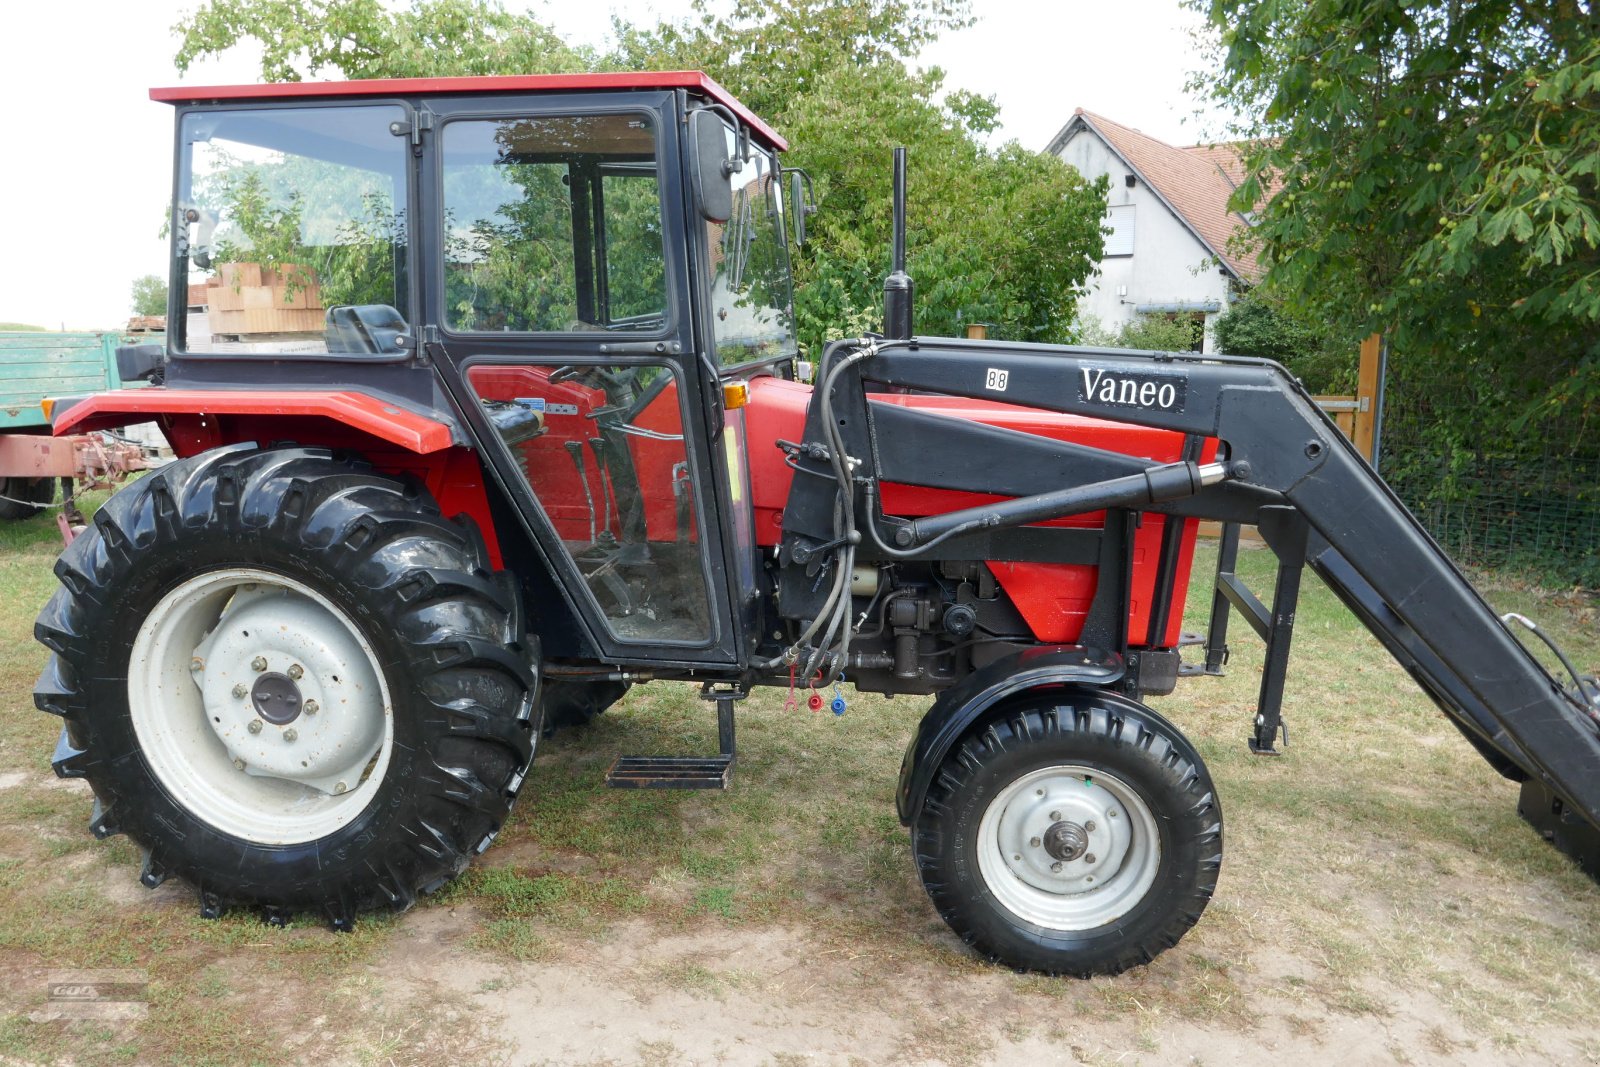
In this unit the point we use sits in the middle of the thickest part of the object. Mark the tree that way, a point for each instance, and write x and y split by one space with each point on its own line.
1152 333
150 295
367 39
1007 236
1438 164
1256 324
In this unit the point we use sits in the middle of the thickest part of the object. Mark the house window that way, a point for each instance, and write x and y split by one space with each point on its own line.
1119 220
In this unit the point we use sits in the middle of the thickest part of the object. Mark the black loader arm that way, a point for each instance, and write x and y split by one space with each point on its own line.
1277 449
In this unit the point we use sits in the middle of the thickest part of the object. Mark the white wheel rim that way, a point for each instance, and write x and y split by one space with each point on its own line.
260 706
1068 848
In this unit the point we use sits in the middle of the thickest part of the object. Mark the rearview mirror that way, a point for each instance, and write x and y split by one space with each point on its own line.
712 166
801 202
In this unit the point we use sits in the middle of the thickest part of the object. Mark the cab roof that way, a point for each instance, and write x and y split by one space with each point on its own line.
693 80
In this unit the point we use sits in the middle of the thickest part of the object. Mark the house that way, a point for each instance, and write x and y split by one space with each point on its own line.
1168 252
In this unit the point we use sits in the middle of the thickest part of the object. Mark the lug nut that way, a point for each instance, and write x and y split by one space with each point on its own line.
238 764
311 707
258 664
255 726
1055 816
1034 843
291 735
1112 814
1088 827
339 787
1089 858
295 671
1056 867
240 692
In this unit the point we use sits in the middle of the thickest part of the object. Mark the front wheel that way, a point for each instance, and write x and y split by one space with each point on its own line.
290 680
1078 834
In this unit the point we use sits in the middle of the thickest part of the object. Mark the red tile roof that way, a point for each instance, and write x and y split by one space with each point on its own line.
1196 183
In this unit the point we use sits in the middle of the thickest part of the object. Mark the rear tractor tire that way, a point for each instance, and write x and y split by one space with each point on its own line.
1073 834
290 681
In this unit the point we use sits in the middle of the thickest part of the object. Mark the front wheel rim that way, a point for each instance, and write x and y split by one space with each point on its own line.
260 706
1068 847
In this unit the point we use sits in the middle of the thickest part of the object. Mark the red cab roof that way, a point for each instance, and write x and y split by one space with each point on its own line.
515 83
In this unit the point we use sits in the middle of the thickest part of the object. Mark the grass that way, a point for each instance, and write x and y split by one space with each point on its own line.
1376 862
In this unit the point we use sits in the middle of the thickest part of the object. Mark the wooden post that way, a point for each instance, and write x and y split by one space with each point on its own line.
977 331
1367 396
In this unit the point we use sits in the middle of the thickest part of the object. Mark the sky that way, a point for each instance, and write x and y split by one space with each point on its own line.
85 167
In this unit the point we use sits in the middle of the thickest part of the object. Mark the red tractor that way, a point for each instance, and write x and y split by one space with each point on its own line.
517 425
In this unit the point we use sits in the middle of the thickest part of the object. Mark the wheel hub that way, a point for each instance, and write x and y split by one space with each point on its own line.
259 701
1068 847
1066 841
276 698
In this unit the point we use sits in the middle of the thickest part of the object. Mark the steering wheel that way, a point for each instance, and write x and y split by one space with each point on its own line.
591 375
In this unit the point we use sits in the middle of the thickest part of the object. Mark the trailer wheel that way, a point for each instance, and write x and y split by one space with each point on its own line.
23 498
1077 835
290 680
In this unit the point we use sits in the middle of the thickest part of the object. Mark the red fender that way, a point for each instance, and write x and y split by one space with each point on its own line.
392 438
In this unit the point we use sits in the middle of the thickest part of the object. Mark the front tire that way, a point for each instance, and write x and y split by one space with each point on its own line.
1074 834
290 680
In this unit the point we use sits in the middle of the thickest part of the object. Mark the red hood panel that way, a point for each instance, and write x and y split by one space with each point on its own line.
1052 597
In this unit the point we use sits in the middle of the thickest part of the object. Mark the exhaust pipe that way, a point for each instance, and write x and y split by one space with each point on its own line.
898 289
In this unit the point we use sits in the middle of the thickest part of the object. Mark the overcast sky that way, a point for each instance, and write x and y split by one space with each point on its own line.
85 171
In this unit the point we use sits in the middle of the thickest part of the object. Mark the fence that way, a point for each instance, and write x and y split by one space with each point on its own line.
1540 512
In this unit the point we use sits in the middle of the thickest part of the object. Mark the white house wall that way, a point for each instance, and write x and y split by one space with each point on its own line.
1169 265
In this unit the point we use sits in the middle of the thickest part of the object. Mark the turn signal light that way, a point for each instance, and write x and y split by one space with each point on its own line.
48 406
734 395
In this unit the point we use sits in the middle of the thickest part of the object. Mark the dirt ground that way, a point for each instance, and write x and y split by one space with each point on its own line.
645 992
787 996
1380 903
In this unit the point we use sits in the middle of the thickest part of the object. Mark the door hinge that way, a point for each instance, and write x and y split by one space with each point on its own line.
421 122
431 344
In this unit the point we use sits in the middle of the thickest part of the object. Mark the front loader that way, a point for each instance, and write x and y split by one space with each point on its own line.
517 426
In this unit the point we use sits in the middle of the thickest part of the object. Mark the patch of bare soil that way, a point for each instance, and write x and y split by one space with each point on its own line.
749 995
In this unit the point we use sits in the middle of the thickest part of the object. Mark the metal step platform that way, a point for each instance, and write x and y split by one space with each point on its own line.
670 772
684 772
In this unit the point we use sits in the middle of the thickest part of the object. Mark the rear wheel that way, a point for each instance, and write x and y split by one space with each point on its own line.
1078 835
290 680
23 498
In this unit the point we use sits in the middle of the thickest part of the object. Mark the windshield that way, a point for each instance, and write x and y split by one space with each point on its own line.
290 229
553 224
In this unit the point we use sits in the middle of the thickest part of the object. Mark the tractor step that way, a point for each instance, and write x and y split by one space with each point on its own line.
670 772
685 772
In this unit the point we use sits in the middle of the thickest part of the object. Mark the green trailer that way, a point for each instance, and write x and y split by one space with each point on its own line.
33 367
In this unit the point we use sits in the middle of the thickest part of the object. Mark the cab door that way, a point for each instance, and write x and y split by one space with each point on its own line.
561 311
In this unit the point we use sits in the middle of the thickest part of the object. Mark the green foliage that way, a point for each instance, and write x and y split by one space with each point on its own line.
1258 325
20 327
1152 333
1438 163
263 205
150 295
265 227
370 39
1006 236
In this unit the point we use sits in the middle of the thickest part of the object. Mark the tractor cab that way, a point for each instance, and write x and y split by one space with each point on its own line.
568 265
